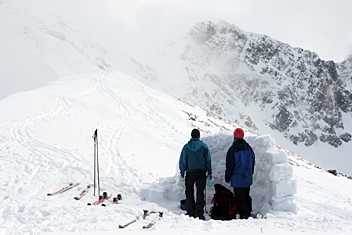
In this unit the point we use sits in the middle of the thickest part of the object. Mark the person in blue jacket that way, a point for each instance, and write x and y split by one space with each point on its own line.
195 163
240 161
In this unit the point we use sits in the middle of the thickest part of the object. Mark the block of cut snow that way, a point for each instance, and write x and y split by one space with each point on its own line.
276 156
265 141
280 172
265 208
283 188
153 194
284 204
252 140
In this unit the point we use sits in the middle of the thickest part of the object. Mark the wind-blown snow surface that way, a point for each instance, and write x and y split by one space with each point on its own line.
46 142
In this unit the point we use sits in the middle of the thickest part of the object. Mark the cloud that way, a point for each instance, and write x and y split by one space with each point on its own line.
143 28
145 25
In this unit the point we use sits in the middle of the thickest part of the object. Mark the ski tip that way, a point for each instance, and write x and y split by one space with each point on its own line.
49 194
76 198
121 226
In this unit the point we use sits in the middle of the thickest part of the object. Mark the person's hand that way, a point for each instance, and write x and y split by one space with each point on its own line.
182 176
210 176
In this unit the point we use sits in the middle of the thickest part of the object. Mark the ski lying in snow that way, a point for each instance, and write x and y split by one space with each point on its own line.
84 192
100 200
151 224
64 189
129 223
114 201
146 213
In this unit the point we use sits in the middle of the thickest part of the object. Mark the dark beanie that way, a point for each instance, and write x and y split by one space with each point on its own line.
195 133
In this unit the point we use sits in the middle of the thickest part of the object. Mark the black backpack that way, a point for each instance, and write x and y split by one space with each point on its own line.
224 204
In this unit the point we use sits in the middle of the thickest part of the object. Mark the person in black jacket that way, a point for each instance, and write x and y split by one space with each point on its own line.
240 161
195 161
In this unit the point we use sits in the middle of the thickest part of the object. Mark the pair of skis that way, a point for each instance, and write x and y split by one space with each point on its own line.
70 186
104 198
114 201
151 224
64 189
145 214
101 199
84 192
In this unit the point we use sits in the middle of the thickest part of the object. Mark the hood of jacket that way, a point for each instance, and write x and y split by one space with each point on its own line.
194 144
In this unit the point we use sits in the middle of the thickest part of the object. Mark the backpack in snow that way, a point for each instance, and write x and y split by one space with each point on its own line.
224 204
183 204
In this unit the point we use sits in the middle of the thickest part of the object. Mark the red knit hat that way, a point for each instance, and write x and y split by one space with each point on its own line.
238 133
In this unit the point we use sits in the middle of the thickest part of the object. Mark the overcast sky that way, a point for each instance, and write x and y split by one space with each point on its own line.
322 26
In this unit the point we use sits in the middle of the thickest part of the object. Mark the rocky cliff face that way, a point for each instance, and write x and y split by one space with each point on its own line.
290 89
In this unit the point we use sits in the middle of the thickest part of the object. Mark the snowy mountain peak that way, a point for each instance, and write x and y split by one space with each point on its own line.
269 87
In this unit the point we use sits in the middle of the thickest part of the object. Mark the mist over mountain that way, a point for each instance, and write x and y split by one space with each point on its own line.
260 83
35 51
265 85
306 98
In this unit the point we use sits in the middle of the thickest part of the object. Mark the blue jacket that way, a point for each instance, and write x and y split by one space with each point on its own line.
195 156
240 160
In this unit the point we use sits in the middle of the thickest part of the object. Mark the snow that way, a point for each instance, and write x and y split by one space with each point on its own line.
46 142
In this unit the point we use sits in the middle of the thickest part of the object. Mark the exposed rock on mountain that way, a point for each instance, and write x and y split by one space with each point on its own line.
291 90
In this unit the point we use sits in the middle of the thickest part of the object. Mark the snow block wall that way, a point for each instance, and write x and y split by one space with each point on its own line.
273 188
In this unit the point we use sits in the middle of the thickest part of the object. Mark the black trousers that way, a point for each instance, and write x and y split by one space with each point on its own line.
195 208
244 201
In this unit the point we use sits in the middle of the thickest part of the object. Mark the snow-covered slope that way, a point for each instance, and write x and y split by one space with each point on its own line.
46 142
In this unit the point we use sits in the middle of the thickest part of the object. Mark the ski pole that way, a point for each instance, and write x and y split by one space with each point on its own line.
208 185
98 164
205 204
94 167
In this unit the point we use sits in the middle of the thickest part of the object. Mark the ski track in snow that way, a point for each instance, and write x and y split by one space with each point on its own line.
44 161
